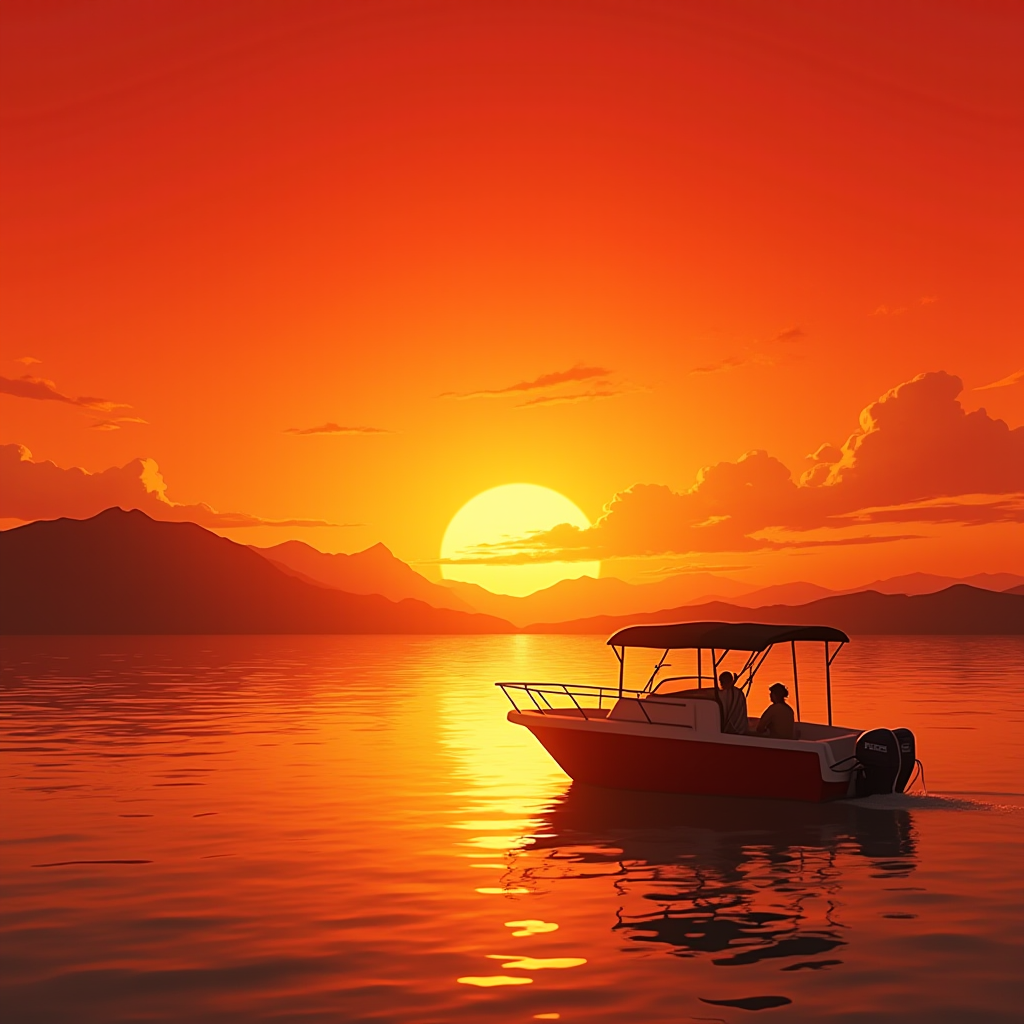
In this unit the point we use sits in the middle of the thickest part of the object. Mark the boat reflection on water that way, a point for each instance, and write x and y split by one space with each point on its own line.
734 880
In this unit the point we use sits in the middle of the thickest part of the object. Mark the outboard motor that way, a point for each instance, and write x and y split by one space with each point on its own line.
908 757
878 754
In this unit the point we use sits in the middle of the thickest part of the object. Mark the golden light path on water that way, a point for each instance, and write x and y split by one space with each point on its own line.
498 768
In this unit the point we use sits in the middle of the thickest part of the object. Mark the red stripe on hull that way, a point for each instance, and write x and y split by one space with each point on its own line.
652 763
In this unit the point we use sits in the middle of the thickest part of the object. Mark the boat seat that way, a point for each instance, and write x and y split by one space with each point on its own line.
701 715
705 693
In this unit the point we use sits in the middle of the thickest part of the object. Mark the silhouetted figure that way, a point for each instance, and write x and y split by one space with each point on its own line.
734 705
778 721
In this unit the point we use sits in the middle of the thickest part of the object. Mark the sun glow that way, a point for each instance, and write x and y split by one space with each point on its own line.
508 513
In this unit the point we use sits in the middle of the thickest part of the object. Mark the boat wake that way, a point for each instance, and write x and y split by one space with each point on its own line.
920 802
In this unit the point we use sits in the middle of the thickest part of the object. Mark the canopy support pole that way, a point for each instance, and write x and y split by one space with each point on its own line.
828 682
620 653
796 679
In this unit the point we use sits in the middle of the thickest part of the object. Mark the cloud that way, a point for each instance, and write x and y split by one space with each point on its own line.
574 396
1015 378
46 391
916 457
31 490
729 363
574 375
758 354
115 424
790 334
27 360
334 428
917 442
674 570
969 510
925 300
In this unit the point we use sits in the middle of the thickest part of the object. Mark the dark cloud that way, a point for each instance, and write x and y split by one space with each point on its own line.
46 391
31 490
917 457
574 375
334 428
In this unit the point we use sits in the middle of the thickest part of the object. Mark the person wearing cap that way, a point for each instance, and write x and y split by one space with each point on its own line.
734 705
778 722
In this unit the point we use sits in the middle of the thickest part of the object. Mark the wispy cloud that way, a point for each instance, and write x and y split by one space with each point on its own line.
886 310
1014 378
115 424
573 396
729 363
27 360
336 428
790 334
46 391
688 569
967 510
574 375
760 353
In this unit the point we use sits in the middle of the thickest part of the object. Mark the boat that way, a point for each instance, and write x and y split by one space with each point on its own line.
670 736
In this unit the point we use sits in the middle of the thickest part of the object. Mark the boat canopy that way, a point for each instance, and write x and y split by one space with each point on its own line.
722 636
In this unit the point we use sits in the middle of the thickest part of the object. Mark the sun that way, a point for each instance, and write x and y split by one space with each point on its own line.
506 513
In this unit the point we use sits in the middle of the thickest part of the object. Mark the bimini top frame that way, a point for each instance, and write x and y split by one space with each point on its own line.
720 638
731 636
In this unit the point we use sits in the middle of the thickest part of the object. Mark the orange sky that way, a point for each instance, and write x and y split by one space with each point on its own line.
242 218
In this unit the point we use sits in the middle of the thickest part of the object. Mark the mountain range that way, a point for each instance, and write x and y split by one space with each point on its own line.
377 571
373 571
957 610
122 572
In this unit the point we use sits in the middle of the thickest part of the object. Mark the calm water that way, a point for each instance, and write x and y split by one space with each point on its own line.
347 829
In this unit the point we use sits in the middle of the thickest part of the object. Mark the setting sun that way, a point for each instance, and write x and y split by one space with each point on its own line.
508 513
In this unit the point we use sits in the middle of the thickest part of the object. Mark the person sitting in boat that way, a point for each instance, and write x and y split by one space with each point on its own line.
734 705
778 722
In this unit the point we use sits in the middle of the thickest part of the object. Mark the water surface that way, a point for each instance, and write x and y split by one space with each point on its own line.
347 829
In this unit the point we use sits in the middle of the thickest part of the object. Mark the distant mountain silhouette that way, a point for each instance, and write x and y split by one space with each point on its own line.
586 597
910 584
604 596
1015 590
783 593
122 572
928 583
957 610
373 571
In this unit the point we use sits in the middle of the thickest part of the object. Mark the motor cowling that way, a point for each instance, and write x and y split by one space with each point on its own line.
879 760
908 757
